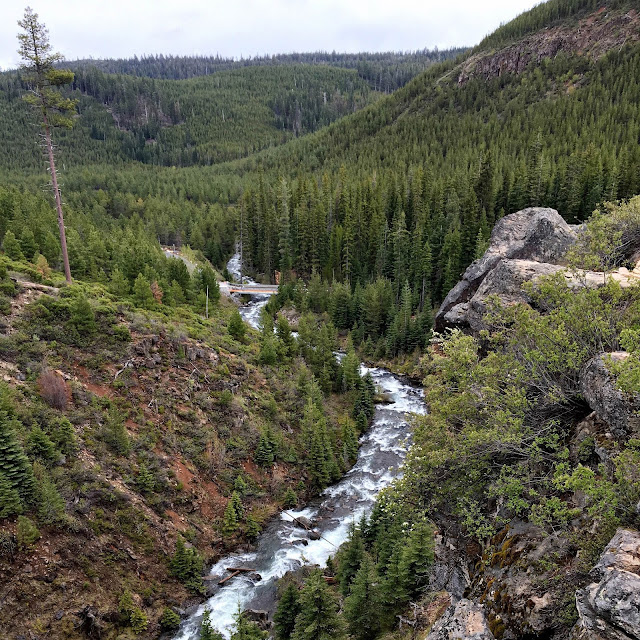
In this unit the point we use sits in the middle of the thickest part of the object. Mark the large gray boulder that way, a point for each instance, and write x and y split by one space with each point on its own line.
504 283
609 608
465 619
535 234
617 409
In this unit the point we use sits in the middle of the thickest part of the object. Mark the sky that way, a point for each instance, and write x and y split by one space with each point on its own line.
235 28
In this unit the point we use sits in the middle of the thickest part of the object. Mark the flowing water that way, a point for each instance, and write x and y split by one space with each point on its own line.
285 546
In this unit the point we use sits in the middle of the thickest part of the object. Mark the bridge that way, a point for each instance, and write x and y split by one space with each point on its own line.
254 289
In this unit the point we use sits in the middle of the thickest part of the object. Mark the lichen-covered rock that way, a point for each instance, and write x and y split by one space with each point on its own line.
609 608
464 619
617 409
449 572
536 234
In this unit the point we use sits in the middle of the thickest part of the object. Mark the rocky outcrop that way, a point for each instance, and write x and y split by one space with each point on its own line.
449 572
594 37
612 406
609 608
537 235
465 619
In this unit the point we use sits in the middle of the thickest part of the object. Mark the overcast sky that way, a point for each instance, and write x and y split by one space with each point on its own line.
234 28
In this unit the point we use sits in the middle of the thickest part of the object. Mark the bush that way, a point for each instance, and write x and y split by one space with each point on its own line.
53 389
170 619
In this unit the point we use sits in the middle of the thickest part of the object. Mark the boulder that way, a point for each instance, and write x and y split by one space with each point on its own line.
617 409
465 619
535 234
449 572
261 618
505 281
609 608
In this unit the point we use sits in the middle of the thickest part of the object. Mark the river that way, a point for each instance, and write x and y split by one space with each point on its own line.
283 545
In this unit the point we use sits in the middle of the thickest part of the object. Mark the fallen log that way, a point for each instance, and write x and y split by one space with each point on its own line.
242 569
233 575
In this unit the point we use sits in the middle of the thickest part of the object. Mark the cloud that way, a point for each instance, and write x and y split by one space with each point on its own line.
123 28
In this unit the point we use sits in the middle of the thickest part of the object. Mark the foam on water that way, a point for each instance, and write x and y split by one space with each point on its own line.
284 546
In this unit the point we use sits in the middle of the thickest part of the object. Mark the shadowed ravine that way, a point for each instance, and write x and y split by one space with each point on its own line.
283 545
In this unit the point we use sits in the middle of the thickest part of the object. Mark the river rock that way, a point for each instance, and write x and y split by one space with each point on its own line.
303 522
609 608
465 619
536 234
617 409
261 618
314 535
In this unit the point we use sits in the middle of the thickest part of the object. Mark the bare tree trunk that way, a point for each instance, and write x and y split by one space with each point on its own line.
56 195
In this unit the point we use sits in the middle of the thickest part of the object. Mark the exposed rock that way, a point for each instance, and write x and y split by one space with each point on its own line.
314 535
615 408
449 571
536 234
303 522
505 281
261 618
595 36
609 608
520 560
465 619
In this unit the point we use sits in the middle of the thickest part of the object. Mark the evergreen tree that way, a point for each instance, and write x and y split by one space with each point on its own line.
83 317
145 479
39 69
186 565
351 554
318 618
417 556
230 519
236 326
290 499
10 503
27 533
263 456
40 446
361 607
12 247
14 464
118 284
170 621
393 589
288 609
50 503
142 294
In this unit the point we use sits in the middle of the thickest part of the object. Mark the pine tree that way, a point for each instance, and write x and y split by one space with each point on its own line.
145 479
290 499
83 317
417 556
40 445
288 609
142 295
11 246
351 554
26 532
10 504
51 506
236 326
118 284
361 607
186 565
318 618
39 70
393 589
170 621
230 519
350 440
263 456
14 464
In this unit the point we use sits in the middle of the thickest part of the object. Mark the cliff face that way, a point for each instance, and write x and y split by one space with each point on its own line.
594 36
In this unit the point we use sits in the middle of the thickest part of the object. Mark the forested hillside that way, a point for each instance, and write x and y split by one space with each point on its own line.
384 72
144 429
